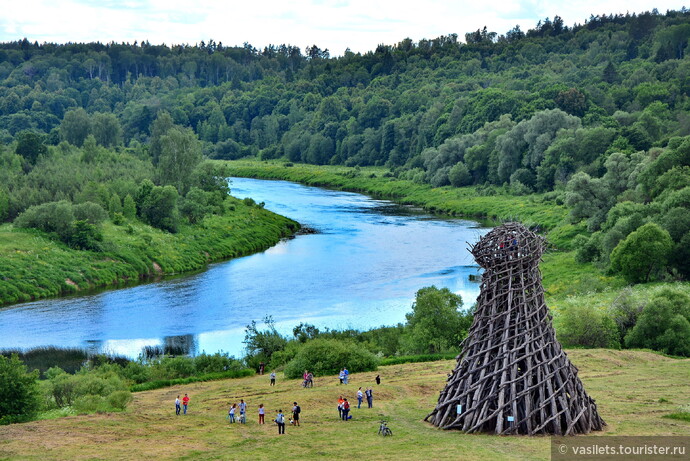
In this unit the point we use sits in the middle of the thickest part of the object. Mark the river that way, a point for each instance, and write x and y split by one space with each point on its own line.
360 269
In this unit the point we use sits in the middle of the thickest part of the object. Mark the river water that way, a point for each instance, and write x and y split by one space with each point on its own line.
360 270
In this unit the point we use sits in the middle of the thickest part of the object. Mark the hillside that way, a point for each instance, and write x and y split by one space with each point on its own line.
633 390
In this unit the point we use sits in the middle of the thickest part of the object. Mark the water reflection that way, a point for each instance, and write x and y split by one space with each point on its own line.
361 270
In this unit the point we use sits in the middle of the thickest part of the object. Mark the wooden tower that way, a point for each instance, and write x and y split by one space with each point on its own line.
512 376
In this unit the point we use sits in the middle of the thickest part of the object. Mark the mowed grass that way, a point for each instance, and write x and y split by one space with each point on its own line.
634 390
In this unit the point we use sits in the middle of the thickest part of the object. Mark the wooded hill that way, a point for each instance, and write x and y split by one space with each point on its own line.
594 114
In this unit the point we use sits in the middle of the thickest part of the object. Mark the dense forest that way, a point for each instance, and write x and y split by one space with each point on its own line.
597 112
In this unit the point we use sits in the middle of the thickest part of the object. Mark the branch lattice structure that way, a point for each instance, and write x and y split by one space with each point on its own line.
512 376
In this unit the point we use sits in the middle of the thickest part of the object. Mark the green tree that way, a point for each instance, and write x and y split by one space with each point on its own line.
435 323
262 344
643 253
158 207
30 146
19 400
129 207
180 154
107 129
75 126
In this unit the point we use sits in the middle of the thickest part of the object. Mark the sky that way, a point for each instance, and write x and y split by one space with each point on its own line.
336 25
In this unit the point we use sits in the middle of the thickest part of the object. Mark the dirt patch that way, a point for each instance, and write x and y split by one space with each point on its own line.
71 283
157 268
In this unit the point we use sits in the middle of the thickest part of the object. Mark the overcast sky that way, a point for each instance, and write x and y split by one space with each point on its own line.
333 24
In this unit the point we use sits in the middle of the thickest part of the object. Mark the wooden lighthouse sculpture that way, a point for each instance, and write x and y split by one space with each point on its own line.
512 376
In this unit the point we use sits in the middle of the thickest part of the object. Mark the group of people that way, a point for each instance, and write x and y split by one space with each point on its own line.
279 419
241 408
344 376
307 379
344 404
185 403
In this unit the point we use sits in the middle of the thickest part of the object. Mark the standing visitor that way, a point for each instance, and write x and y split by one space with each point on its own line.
273 378
340 407
360 396
243 411
370 396
185 403
378 379
177 406
231 413
262 412
261 368
296 410
341 375
346 409
346 375
280 421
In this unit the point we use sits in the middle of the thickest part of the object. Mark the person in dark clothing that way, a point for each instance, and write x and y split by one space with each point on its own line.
296 410
370 397
280 421
378 379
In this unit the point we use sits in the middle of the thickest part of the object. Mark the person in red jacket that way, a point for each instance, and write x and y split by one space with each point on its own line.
185 402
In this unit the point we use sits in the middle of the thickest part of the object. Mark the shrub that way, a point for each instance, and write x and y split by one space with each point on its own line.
19 398
586 326
119 399
327 356
215 363
664 324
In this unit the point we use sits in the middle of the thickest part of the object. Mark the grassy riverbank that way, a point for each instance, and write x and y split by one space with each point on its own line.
634 391
35 266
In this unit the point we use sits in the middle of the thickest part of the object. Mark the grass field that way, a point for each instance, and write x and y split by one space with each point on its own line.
633 389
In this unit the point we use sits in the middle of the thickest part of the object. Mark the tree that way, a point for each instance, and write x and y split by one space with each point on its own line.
159 128
262 344
435 323
158 206
19 399
75 126
30 146
588 198
643 253
107 129
180 153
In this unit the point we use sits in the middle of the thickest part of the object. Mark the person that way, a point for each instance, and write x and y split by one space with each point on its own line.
185 403
310 379
262 412
341 375
346 409
360 396
346 375
378 380
280 421
243 411
231 413
370 397
296 410
261 368
273 378
177 406
340 406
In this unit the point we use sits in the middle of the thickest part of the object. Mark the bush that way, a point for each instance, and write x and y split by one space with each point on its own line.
586 326
329 356
664 324
119 399
215 363
19 398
